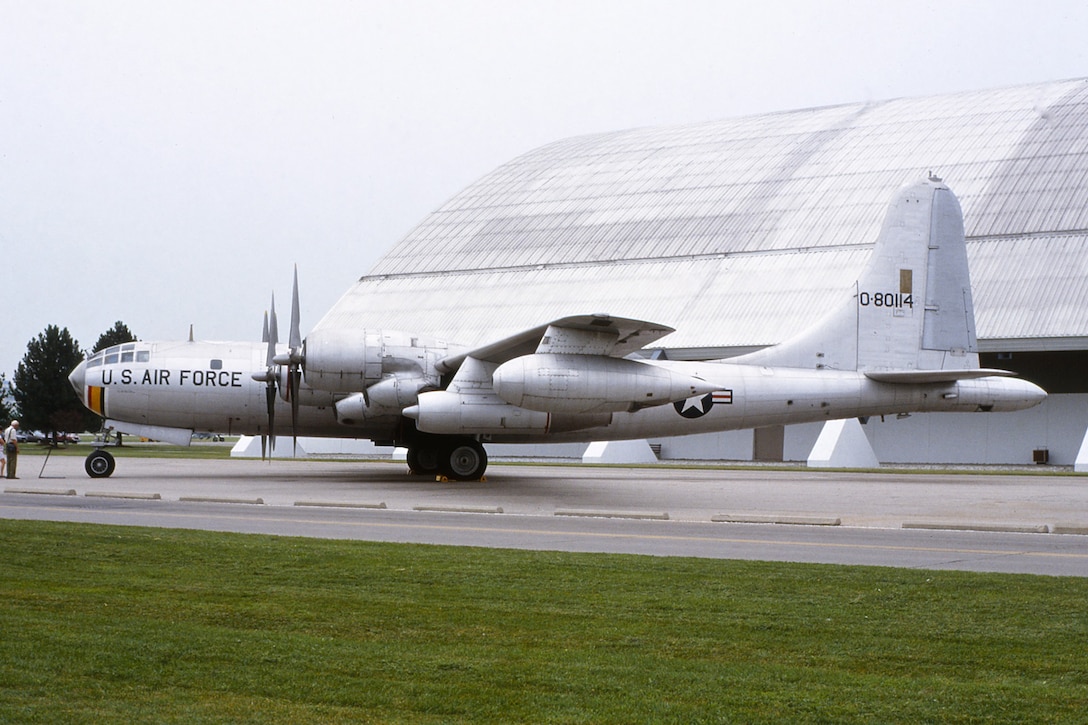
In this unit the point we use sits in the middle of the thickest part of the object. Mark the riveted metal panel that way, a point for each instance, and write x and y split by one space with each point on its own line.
742 231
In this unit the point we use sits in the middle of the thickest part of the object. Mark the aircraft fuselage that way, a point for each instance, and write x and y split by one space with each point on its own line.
206 386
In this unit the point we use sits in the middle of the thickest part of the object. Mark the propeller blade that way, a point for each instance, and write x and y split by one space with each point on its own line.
273 331
270 398
293 378
294 373
295 339
270 392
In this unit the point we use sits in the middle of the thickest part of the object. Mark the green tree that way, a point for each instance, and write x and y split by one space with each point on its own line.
114 336
45 398
7 402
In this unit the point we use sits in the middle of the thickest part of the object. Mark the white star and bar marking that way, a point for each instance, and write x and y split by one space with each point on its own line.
700 405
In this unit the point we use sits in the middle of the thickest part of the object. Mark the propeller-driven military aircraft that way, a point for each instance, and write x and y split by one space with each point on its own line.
902 341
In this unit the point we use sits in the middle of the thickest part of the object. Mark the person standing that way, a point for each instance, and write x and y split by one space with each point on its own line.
11 447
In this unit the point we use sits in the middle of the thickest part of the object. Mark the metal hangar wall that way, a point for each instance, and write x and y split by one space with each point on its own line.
740 232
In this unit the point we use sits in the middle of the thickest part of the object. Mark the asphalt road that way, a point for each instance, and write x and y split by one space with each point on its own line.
1020 523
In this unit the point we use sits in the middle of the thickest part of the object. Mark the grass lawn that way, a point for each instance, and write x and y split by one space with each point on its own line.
115 624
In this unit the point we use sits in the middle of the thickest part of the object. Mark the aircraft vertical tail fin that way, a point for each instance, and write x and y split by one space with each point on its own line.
911 308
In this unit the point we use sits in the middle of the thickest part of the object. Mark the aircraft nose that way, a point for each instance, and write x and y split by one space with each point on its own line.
78 378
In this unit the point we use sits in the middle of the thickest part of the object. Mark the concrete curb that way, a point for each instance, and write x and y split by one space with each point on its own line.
996 528
664 516
333 504
788 520
42 491
202 499
458 509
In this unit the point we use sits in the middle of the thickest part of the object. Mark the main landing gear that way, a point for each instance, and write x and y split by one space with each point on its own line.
456 458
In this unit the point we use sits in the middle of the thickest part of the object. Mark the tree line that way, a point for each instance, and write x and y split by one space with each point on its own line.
40 396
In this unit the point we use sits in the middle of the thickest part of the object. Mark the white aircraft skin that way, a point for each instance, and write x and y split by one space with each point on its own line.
180 387
903 341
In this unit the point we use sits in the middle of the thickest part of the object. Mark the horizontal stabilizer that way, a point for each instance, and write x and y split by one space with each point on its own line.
918 377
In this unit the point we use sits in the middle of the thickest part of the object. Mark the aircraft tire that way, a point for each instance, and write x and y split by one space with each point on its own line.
99 464
464 460
422 460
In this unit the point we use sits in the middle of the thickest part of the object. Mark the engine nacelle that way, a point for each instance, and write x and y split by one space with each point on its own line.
351 360
353 410
307 397
342 360
561 383
440 411
387 397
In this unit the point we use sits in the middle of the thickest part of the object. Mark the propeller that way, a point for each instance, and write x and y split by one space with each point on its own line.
294 359
269 375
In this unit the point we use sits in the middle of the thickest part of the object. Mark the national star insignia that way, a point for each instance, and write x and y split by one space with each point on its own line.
695 407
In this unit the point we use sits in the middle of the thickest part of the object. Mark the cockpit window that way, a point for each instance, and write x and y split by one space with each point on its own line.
120 353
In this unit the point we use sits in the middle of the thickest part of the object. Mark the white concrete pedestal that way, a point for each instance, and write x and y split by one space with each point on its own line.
619 452
250 447
1080 464
842 444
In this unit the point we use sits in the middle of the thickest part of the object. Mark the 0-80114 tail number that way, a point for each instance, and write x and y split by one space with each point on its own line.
886 299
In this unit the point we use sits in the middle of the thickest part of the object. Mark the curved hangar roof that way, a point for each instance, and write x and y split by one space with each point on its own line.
740 232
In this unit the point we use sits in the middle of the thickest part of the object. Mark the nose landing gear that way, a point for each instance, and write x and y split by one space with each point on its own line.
99 464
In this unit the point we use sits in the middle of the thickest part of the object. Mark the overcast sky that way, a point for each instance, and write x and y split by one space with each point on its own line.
165 163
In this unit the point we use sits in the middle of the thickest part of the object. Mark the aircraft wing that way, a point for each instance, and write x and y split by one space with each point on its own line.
577 335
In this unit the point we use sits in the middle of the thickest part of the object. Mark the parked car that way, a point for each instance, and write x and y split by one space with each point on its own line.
35 436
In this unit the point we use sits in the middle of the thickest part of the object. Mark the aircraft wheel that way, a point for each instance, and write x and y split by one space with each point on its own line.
100 464
422 460
465 461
